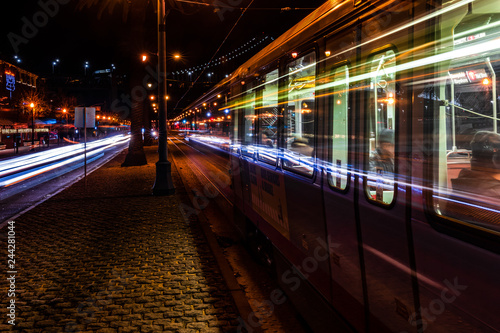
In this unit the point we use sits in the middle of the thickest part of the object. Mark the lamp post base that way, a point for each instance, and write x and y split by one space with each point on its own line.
135 158
163 183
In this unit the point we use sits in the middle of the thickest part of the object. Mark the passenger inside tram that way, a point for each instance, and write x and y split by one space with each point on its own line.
382 158
266 140
483 177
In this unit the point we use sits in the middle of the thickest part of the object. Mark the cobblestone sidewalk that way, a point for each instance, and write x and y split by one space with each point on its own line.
109 257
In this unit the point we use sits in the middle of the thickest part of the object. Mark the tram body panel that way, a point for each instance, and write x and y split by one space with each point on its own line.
456 280
307 233
347 290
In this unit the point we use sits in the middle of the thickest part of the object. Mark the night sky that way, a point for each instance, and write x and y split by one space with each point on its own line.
75 35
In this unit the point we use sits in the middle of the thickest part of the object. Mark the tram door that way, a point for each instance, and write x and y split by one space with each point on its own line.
337 108
382 199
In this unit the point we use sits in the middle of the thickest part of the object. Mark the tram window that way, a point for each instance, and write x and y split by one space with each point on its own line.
234 135
299 116
339 139
249 122
467 168
381 120
268 119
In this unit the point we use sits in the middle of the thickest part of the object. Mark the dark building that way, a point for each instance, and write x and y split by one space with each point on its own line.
14 83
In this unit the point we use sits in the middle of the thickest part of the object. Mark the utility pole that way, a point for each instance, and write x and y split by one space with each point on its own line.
163 183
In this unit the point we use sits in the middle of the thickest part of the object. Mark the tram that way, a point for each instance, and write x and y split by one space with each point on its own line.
387 243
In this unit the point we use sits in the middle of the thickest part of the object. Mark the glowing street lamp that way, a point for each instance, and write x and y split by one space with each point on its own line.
53 64
66 112
32 106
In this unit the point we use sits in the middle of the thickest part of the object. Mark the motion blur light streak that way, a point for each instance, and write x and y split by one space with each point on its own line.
57 157
468 204
438 58
402 267
29 161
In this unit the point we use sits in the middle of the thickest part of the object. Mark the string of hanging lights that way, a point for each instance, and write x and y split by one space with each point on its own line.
248 46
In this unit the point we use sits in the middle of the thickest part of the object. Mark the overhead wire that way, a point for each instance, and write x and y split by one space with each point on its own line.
215 53
221 5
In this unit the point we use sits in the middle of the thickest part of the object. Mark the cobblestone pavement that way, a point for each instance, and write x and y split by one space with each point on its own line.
109 257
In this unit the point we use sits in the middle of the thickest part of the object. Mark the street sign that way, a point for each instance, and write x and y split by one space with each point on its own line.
89 117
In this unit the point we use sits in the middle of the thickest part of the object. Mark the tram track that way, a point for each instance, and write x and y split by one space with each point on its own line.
198 166
213 159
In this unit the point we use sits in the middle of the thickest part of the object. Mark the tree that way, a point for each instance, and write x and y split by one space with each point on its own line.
67 102
42 107
135 155
134 13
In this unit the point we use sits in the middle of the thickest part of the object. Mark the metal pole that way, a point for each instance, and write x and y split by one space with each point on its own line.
493 94
163 183
32 127
453 120
85 145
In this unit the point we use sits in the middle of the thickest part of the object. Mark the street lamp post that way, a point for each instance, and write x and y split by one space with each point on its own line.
163 183
53 64
67 128
32 105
